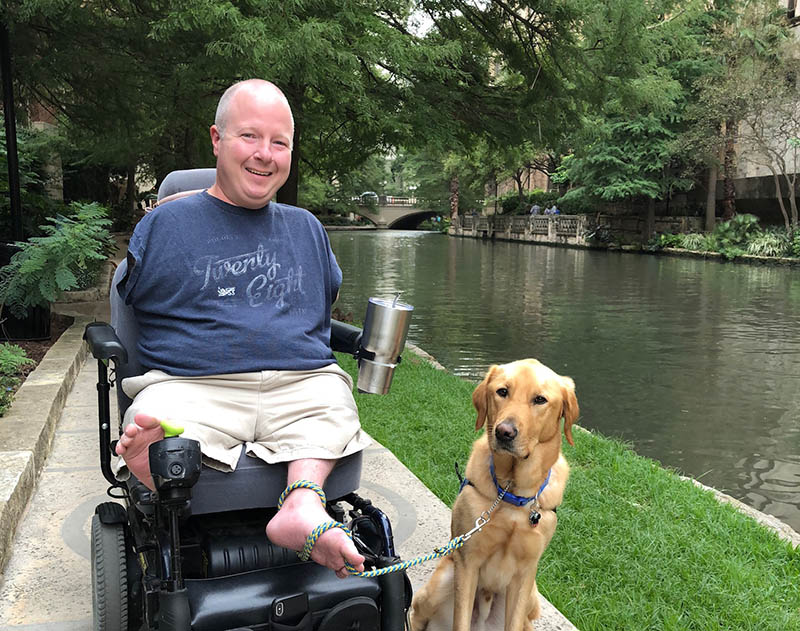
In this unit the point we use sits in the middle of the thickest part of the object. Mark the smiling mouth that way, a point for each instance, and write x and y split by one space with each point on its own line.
261 173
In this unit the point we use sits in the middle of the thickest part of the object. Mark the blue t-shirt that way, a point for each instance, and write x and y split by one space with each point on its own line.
218 289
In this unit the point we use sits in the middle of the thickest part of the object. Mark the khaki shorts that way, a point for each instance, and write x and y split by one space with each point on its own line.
279 416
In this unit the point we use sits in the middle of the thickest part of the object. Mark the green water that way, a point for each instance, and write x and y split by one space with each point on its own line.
696 363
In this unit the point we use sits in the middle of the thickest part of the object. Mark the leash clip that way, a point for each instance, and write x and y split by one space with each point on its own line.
480 522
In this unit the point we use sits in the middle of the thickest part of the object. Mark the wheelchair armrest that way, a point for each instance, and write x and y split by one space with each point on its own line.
345 338
104 343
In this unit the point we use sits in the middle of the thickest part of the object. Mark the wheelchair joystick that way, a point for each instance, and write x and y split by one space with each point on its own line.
175 464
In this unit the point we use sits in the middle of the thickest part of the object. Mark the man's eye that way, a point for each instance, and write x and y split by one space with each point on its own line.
539 400
249 136
502 392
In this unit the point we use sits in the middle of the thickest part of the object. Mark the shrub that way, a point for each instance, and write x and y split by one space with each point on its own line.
545 199
794 248
732 236
44 266
666 240
769 243
694 241
511 204
12 361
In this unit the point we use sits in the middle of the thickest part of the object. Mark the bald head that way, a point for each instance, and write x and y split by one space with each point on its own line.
257 87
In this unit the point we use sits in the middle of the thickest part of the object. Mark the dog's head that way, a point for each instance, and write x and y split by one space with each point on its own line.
522 404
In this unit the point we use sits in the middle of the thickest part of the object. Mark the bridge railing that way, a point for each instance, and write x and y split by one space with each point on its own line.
385 200
543 228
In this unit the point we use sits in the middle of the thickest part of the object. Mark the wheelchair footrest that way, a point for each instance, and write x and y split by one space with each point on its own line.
250 599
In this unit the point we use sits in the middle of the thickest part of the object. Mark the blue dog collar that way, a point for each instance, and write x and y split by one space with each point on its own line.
517 500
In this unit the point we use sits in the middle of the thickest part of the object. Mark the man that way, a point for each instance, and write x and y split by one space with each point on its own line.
233 294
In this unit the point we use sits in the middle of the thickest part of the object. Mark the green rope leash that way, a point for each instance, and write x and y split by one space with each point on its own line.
453 545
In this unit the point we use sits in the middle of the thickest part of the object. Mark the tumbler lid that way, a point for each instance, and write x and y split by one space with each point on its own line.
391 304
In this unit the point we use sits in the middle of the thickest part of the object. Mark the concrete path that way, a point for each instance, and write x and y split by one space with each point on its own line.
50 483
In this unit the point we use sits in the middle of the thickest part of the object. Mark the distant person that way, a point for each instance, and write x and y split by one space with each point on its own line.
535 209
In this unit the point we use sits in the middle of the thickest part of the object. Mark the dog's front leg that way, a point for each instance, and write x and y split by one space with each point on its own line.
436 594
465 585
518 600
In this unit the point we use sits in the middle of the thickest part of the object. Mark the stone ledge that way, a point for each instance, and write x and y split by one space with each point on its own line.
28 428
744 258
17 480
94 294
783 530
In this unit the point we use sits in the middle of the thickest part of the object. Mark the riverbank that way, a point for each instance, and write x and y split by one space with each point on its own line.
570 232
637 546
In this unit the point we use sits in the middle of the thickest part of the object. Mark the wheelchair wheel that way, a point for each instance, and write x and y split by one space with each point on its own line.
109 577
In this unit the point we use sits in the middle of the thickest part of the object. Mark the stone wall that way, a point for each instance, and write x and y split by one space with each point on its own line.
565 229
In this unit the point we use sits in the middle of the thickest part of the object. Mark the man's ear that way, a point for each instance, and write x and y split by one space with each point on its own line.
480 398
570 410
215 138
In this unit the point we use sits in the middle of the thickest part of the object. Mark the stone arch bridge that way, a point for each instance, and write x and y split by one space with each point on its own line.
397 213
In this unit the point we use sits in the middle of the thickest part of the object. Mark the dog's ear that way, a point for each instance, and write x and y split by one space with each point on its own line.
480 399
570 409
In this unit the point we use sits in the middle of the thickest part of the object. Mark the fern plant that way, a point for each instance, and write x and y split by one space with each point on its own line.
12 360
47 265
694 241
769 243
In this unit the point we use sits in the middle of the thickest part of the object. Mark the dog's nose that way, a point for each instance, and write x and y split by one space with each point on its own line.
505 432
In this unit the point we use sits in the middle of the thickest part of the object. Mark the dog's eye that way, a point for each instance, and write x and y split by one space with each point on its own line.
502 392
539 400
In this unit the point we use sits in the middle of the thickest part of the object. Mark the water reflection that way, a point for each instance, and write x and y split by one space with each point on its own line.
693 361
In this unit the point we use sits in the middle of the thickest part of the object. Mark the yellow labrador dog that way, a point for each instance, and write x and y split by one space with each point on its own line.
490 582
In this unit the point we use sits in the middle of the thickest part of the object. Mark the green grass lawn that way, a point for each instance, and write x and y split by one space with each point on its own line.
636 548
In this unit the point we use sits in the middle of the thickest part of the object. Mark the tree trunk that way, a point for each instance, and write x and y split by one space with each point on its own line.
791 184
130 192
711 198
454 190
779 196
729 201
650 220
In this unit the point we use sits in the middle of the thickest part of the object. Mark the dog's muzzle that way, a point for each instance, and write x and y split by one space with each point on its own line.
505 433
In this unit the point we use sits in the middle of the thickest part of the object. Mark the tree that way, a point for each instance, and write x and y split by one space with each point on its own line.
137 81
749 99
626 149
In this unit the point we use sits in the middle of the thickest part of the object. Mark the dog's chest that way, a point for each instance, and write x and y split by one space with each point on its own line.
515 547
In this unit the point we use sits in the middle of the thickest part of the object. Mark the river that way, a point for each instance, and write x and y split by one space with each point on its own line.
694 362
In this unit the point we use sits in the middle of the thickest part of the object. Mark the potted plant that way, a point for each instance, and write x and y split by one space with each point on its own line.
73 245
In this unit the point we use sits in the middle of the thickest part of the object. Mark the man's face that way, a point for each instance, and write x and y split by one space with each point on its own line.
254 153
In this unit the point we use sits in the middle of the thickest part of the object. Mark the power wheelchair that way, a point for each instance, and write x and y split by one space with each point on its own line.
193 555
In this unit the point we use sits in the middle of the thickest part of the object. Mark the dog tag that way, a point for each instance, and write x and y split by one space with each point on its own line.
534 517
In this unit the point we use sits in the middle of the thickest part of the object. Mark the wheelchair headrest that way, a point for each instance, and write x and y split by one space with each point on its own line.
186 182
